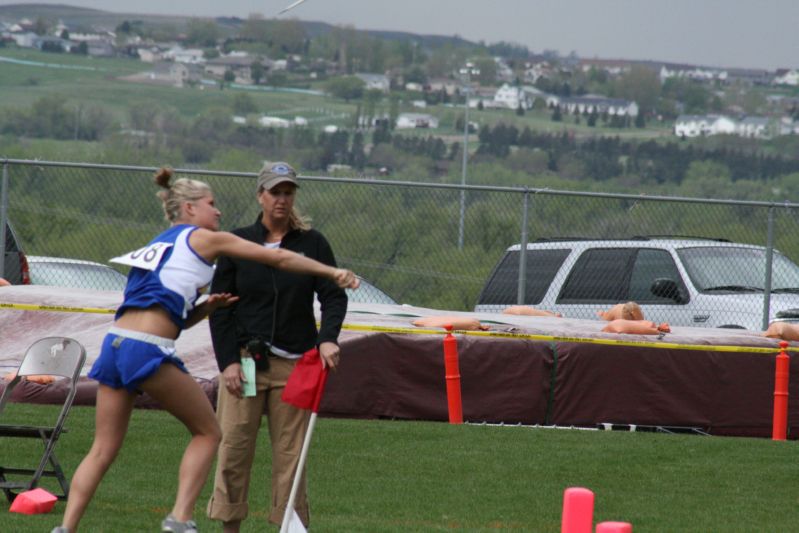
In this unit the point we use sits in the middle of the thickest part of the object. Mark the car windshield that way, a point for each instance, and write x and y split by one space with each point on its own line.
738 269
369 294
76 275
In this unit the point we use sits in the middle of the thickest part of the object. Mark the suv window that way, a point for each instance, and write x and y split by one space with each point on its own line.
599 275
541 268
649 266
611 275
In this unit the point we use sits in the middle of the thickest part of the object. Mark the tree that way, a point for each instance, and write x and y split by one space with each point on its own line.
640 85
243 104
346 87
556 114
64 34
229 76
257 71
202 32
288 37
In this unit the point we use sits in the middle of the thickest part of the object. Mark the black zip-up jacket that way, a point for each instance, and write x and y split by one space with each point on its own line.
255 283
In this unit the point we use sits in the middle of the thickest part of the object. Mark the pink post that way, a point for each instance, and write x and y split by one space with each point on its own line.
578 510
614 527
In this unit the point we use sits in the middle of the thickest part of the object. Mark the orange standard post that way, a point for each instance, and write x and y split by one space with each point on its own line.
453 377
779 428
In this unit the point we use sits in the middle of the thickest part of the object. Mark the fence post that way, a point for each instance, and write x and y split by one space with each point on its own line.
522 286
3 216
769 258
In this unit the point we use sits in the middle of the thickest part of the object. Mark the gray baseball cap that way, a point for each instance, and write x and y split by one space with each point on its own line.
275 173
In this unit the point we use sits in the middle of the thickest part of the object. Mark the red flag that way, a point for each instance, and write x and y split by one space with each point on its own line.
306 383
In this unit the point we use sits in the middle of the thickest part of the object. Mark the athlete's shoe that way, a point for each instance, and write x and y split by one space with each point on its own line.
60 529
172 524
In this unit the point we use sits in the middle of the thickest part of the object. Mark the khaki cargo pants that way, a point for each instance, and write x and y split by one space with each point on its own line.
240 419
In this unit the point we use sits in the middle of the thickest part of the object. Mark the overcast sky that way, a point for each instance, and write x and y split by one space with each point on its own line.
724 33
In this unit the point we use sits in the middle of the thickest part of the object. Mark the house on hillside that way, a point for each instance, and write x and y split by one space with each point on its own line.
171 73
240 65
757 127
150 53
189 56
614 67
416 120
534 71
593 104
449 86
376 82
48 43
691 72
273 122
23 39
692 125
786 77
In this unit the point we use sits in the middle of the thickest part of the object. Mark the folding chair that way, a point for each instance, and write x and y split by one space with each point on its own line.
55 356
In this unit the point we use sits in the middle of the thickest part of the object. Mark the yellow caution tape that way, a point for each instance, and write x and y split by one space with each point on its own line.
495 334
582 340
56 308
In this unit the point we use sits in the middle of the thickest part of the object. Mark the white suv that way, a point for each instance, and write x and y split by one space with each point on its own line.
685 282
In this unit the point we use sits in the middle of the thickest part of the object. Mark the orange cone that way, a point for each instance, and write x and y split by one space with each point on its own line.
578 510
34 501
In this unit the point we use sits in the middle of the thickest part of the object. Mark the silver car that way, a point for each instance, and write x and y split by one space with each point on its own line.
74 273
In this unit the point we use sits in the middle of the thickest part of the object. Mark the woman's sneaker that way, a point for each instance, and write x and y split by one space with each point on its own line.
170 523
60 529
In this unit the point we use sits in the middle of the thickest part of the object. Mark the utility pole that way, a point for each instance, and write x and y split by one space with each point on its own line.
466 72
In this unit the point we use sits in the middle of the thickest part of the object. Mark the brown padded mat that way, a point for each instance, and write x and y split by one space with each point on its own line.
389 370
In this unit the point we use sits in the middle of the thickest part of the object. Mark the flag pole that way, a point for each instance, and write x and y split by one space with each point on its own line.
284 528
287 515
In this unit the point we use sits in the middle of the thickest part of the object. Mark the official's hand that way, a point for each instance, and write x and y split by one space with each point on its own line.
232 378
346 279
330 354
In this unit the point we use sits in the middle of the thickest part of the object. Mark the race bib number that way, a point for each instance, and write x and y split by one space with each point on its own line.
147 258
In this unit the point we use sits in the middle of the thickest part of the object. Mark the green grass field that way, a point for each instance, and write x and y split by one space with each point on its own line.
399 476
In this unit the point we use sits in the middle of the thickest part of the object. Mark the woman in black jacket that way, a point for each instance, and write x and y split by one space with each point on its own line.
273 322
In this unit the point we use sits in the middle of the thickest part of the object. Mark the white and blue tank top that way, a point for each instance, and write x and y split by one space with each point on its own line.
167 272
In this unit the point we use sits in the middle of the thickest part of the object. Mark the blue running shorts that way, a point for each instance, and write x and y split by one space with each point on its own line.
127 358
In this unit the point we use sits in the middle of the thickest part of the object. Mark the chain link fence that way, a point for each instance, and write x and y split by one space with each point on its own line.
401 237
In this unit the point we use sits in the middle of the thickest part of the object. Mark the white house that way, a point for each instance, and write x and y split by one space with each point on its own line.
240 65
754 127
721 125
24 39
696 125
534 71
691 73
273 122
692 125
189 56
789 77
593 103
378 82
169 73
151 54
512 97
416 120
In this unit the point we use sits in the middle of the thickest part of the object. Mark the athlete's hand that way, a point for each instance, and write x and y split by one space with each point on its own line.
346 279
221 299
